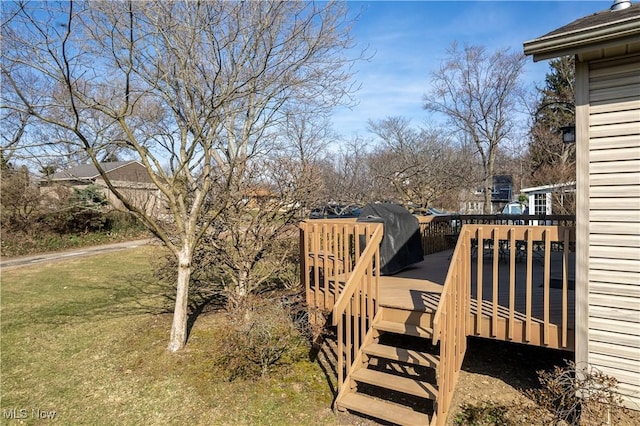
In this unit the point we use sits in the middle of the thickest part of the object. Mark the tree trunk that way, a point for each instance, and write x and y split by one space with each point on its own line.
488 189
178 337
488 181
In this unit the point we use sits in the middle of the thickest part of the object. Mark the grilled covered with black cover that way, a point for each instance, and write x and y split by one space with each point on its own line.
401 244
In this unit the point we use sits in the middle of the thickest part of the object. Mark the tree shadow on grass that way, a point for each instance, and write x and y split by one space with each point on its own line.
201 302
135 295
323 352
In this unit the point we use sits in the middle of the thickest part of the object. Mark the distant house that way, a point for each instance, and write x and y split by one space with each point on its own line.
472 202
502 190
551 199
606 46
130 178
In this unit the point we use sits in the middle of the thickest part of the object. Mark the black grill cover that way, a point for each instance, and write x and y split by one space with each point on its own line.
401 244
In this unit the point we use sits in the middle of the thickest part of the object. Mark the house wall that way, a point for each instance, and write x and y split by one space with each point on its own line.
145 196
608 219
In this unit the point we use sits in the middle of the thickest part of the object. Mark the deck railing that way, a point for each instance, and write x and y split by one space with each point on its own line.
329 250
357 305
440 232
338 262
450 324
532 298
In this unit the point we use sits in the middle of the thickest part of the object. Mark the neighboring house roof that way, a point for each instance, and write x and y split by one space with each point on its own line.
88 171
593 31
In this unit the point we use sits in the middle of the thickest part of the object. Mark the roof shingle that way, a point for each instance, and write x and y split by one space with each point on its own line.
87 171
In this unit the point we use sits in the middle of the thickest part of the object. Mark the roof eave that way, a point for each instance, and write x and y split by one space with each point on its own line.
572 42
549 187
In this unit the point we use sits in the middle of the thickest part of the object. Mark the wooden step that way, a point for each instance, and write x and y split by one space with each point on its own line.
403 355
421 318
397 383
403 328
382 410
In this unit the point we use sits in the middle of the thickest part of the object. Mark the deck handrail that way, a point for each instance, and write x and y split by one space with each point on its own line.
449 325
371 251
357 305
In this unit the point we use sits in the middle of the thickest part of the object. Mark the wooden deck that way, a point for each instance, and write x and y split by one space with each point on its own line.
418 288
508 282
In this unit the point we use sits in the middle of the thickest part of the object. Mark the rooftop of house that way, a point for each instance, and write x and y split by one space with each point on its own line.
598 29
604 17
88 171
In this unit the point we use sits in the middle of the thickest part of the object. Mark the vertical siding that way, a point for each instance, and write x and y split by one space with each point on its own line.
614 222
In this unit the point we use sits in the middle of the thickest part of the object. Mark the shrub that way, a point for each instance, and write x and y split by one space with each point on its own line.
120 221
20 199
259 335
577 395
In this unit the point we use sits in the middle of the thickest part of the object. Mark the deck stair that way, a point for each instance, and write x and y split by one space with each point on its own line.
394 375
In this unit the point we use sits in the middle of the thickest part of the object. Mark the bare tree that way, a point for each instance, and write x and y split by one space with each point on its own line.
420 164
478 93
346 174
193 90
303 148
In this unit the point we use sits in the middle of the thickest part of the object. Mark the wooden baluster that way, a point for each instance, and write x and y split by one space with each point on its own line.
349 334
325 278
336 261
565 286
356 320
466 279
340 352
529 284
547 273
316 265
479 280
494 295
513 251
346 239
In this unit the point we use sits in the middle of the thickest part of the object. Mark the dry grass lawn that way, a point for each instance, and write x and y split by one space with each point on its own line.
86 339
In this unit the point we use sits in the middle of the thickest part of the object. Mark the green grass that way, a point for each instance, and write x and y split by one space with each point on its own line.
87 339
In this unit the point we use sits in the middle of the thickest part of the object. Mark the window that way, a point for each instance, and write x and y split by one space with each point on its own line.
540 203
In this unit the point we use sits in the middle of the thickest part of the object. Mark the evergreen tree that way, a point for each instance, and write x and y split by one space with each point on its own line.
552 161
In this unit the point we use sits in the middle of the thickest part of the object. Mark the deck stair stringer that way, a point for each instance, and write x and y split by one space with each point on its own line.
394 374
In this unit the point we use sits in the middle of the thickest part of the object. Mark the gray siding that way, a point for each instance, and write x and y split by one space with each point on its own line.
614 222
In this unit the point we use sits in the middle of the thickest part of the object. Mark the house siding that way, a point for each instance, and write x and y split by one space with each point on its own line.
613 311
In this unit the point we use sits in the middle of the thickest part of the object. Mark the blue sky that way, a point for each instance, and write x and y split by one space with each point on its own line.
408 40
